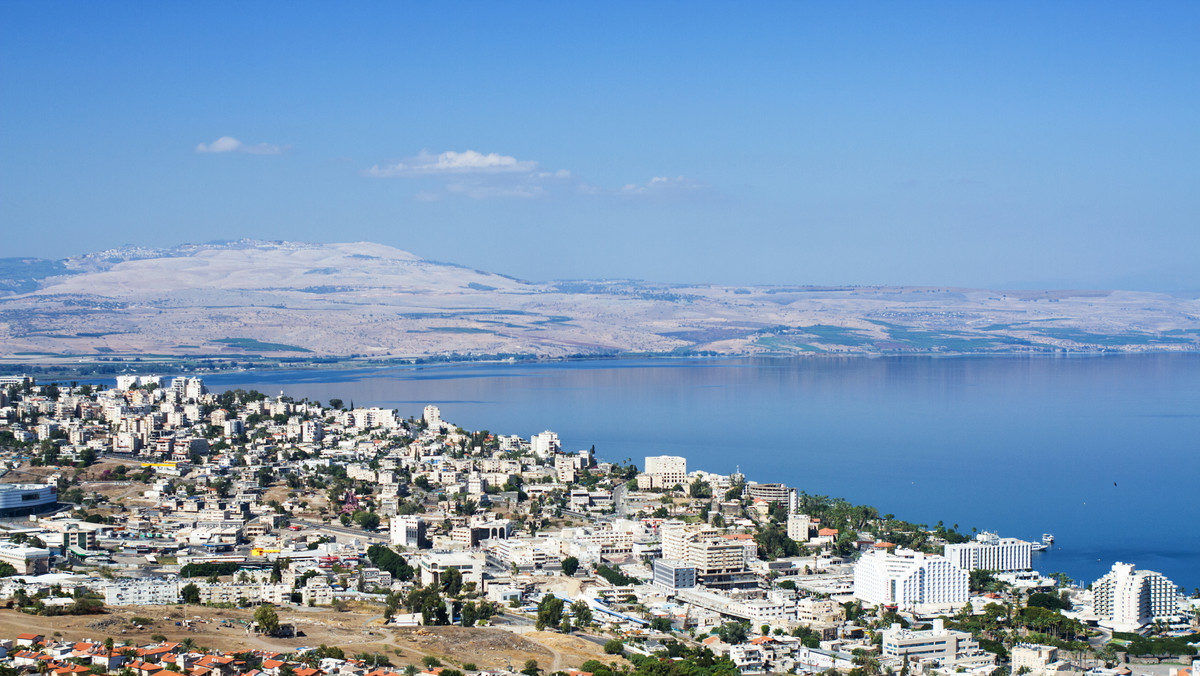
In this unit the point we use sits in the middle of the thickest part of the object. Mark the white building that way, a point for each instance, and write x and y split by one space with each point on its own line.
990 552
910 580
433 418
545 444
141 592
667 471
407 531
469 565
938 645
1126 598
671 576
798 526
1034 658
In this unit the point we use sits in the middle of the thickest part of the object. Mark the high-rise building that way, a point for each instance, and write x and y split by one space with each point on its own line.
990 552
798 526
664 471
433 418
910 580
407 531
1127 598
545 445
718 562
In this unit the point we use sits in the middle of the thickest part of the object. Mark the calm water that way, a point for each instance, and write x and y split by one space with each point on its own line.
1100 451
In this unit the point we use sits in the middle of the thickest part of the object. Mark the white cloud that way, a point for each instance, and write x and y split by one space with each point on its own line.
228 144
662 185
477 175
452 162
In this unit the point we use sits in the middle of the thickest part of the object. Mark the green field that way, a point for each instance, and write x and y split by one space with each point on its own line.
259 346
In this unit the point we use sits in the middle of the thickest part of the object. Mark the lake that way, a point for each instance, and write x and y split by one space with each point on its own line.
1101 451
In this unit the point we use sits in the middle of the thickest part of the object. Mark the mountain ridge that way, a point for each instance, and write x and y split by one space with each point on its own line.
229 299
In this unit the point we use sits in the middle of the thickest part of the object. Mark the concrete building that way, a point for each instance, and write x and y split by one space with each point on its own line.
480 528
774 493
1033 657
798 526
719 562
671 576
1126 598
433 419
938 646
663 471
469 565
910 580
25 499
408 531
27 560
545 445
141 592
990 552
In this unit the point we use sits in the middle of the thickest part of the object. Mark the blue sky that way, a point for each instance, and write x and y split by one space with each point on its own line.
968 144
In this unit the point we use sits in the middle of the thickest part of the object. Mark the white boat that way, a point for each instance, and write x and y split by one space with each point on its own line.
1039 547
1047 539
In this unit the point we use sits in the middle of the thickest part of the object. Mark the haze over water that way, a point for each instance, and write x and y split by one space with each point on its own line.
1100 451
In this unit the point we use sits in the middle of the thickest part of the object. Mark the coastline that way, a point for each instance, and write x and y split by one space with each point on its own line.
105 366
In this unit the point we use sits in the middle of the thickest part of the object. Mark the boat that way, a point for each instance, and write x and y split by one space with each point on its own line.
1039 546
1047 539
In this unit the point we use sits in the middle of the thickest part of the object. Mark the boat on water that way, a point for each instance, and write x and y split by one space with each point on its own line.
1047 539
1039 546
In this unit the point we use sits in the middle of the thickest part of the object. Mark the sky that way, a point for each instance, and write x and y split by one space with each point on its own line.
998 145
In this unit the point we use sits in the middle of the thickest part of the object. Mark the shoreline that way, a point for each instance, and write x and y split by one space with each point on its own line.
110 367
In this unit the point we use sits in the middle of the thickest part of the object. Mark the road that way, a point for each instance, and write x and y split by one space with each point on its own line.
619 499
342 530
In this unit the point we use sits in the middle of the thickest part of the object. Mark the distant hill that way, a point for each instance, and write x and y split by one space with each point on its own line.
231 299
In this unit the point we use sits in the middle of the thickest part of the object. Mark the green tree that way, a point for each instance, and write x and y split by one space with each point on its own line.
190 593
614 647
582 613
452 581
549 612
569 566
267 619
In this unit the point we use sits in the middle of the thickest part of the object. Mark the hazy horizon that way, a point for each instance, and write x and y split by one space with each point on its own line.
1014 146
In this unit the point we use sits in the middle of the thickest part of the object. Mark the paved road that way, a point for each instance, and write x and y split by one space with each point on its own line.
342 530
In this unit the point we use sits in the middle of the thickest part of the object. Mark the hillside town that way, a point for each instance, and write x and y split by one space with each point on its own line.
178 513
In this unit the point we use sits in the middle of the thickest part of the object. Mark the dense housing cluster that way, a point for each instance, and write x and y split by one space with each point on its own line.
160 493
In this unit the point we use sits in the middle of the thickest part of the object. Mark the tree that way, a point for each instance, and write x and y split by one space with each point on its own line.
582 612
468 615
452 581
732 632
190 593
614 647
267 619
531 668
335 403
549 613
368 520
569 566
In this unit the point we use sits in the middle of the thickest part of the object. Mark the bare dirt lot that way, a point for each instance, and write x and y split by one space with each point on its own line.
356 631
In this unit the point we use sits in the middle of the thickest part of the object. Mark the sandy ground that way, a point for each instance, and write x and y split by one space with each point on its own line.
357 631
